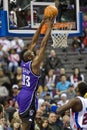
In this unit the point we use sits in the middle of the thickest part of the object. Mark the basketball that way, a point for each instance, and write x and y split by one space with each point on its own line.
50 11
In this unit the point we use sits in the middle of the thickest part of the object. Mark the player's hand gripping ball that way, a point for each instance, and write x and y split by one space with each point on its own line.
50 11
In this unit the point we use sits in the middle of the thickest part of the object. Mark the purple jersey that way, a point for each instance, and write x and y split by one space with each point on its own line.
29 87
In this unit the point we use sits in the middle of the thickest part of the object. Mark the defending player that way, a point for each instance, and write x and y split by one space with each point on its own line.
78 108
30 71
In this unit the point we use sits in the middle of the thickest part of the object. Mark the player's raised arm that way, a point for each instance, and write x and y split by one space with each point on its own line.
36 35
39 57
73 104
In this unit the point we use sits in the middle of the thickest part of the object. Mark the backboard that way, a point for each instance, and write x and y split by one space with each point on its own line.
24 17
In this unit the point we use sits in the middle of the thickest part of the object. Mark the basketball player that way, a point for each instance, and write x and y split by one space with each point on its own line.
30 71
78 108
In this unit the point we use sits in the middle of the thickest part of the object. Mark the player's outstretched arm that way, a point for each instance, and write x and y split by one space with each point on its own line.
75 104
36 35
39 57
47 35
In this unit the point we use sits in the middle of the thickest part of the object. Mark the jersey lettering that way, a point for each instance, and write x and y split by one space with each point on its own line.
84 119
26 80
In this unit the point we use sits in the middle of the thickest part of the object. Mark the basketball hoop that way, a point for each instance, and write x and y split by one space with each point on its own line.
60 38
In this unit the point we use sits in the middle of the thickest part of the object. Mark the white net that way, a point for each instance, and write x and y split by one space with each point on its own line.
59 39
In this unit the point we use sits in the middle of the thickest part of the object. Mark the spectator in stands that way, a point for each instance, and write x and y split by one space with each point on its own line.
52 118
18 44
62 6
66 122
4 92
76 77
43 108
15 119
50 79
70 92
3 62
13 14
15 91
48 97
52 61
16 115
45 92
9 108
5 43
28 17
62 85
4 123
76 44
42 74
84 23
13 19
38 120
85 42
39 90
13 59
59 121
84 39
4 80
40 101
63 100
61 71
45 124
16 124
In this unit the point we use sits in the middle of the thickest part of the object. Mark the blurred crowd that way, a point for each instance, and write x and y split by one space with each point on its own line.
54 88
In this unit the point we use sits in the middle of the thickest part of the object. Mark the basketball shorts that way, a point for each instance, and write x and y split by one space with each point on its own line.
29 115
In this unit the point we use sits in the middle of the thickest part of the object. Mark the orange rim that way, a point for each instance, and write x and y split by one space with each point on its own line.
61 25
